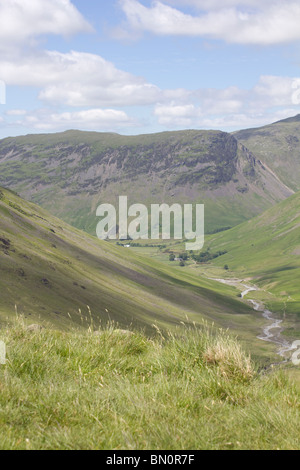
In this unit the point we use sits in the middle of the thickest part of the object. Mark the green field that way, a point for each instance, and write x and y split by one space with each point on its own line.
267 249
119 390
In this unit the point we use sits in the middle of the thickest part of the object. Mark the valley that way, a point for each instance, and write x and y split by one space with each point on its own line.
206 336
54 273
149 228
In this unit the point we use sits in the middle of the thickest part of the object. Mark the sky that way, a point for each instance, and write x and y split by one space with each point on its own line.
142 66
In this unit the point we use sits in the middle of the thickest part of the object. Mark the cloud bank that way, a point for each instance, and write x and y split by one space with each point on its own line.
85 91
22 21
241 22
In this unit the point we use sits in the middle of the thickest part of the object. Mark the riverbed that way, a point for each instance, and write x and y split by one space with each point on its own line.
273 330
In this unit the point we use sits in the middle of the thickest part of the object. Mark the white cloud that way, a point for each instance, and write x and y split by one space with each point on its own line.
23 20
78 79
233 107
171 117
271 22
16 112
90 119
82 80
276 91
227 108
216 4
177 115
246 120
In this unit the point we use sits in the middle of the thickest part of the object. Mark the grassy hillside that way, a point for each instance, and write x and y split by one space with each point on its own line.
56 274
70 173
113 391
267 249
278 147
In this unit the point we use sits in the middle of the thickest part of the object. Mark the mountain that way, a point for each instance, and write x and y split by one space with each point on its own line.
267 248
50 270
70 173
278 147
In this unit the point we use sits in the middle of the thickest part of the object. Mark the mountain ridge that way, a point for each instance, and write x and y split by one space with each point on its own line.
70 173
278 146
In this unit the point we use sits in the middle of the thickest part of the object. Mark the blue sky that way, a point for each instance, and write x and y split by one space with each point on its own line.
142 66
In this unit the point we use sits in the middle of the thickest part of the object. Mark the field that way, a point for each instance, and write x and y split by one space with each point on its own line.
110 389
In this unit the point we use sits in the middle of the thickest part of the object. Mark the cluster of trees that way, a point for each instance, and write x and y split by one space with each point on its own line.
182 256
202 257
206 256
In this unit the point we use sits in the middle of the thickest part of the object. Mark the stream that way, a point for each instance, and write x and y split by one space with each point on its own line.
272 332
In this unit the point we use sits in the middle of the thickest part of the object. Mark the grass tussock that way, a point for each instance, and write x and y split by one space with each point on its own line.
118 390
232 361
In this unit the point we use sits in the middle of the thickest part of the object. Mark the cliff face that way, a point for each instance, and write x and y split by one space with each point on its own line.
278 147
70 173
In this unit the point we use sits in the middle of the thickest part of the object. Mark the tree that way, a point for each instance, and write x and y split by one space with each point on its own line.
172 257
226 267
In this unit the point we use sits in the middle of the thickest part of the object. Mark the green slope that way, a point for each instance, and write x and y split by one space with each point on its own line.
70 173
49 270
80 391
278 147
267 248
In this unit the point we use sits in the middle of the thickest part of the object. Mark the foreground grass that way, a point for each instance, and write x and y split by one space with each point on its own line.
116 390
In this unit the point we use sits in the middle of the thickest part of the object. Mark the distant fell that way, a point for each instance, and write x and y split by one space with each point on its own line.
70 173
278 147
